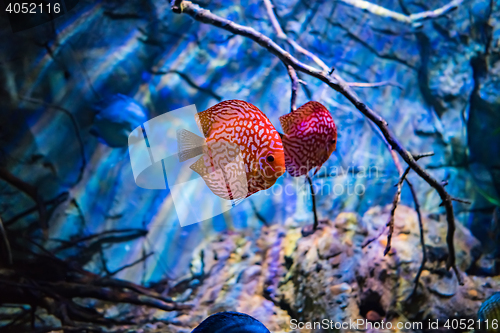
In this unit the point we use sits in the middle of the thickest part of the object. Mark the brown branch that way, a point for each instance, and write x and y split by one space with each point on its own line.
274 21
338 84
395 201
143 258
76 128
78 290
71 243
295 86
6 242
313 196
382 55
189 81
29 190
259 216
422 238
413 19
375 84
281 34
397 198
53 202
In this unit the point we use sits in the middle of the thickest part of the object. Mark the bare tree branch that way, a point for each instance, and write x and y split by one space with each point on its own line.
313 196
395 202
75 127
397 198
6 242
422 238
413 19
281 34
375 84
189 81
259 216
29 190
143 258
295 86
338 84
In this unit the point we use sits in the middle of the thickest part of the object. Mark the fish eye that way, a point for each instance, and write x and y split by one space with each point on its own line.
333 141
270 158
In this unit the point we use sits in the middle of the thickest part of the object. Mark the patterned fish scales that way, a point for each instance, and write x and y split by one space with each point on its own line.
233 128
310 138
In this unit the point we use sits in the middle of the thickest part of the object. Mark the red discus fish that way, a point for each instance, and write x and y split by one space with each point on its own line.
310 138
241 153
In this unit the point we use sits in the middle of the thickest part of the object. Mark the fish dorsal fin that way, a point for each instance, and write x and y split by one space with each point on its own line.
189 145
204 121
287 121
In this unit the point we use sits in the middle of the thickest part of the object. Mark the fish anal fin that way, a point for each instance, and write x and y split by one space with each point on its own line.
189 145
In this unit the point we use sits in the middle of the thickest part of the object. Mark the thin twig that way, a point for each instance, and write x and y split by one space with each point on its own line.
338 84
409 19
71 243
422 237
274 21
295 86
374 85
281 34
31 191
6 242
259 216
76 128
189 81
53 202
395 202
397 198
313 196
143 258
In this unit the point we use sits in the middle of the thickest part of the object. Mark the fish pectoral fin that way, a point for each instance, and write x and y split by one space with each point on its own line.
199 167
189 145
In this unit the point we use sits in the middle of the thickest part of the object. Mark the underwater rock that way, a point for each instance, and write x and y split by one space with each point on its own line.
116 119
444 287
279 275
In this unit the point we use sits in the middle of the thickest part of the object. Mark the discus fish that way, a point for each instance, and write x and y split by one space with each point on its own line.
116 118
490 310
310 138
242 152
230 322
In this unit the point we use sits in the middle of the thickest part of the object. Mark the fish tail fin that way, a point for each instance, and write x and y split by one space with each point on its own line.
189 145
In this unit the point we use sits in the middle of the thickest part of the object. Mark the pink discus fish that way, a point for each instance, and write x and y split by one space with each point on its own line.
310 138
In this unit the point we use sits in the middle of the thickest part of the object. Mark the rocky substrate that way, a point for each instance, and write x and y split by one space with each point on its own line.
339 273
